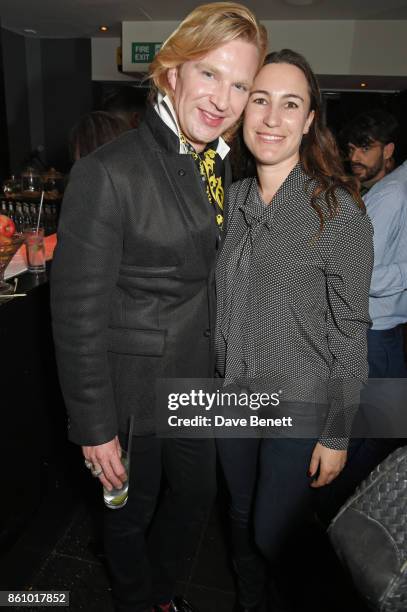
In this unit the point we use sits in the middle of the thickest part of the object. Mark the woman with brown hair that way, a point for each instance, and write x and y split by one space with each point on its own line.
94 130
292 282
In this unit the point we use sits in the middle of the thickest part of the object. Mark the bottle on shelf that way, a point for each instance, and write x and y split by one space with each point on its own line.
11 212
33 213
26 215
19 217
48 221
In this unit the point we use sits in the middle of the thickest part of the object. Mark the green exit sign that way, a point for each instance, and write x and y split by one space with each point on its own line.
144 53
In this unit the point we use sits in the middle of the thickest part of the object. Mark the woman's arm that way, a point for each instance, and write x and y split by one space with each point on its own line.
348 270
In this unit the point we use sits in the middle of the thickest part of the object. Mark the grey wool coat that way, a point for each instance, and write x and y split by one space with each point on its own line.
132 284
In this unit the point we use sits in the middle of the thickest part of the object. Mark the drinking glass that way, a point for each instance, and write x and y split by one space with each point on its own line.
117 498
35 247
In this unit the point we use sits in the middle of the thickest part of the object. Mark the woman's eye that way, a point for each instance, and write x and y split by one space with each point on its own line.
259 100
291 105
207 73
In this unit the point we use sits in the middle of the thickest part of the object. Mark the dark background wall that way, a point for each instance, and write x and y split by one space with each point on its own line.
46 85
67 93
35 93
16 98
4 157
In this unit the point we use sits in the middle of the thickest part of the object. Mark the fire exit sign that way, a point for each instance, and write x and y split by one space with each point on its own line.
144 53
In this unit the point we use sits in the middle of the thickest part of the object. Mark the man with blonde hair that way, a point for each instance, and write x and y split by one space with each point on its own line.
133 293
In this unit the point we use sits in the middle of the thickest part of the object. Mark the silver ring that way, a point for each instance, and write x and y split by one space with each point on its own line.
89 464
96 473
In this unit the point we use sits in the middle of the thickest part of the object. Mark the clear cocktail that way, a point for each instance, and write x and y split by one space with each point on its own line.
34 242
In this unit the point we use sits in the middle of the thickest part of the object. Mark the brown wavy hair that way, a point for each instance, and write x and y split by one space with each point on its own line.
206 28
94 130
319 153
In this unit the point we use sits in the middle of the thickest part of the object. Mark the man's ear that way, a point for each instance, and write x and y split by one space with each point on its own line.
388 150
172 76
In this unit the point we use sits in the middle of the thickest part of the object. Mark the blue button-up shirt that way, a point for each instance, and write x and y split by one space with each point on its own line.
386 204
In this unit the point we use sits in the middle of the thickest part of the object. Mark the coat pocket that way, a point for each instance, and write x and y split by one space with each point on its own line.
149 271
126 341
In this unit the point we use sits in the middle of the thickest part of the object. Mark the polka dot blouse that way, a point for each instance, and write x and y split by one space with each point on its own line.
293 303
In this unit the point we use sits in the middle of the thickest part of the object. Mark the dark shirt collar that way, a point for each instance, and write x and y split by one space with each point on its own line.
165 138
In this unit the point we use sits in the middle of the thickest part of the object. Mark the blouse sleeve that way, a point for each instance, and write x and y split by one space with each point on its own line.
349 270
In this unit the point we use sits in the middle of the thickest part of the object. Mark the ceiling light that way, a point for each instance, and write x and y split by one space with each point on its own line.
103 28
29 31
363 84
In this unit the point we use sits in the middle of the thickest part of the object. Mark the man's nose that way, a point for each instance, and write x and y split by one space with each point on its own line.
354 156
221 97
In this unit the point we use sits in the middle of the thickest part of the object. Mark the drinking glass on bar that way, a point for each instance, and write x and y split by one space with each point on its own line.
35 248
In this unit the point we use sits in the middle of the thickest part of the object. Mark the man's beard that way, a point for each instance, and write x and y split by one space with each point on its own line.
370 172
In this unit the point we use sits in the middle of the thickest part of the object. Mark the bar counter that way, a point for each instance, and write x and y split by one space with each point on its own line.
36 458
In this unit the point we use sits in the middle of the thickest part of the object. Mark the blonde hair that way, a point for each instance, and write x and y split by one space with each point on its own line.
206 28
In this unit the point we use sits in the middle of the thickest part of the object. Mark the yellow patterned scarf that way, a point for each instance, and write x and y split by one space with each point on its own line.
206 163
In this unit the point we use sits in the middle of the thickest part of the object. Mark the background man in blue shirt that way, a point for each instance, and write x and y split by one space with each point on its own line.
370 139
370 143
